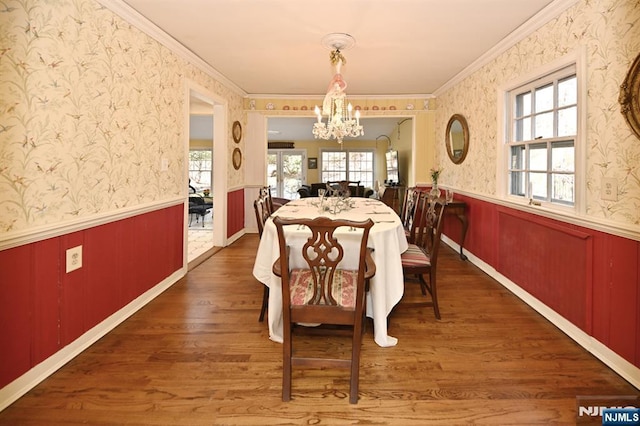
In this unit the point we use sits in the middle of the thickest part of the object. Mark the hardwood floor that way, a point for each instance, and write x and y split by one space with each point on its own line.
197 355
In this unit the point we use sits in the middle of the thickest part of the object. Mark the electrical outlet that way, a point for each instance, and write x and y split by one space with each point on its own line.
609 189
164 164
74 258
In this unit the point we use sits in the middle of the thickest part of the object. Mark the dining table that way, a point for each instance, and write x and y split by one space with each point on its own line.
387 239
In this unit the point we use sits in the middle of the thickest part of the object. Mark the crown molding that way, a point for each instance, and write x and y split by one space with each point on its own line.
550 12
133 17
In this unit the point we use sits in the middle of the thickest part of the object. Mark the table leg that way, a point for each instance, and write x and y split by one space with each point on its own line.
465 224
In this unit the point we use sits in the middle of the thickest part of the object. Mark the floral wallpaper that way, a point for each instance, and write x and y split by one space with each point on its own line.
89 108
610 32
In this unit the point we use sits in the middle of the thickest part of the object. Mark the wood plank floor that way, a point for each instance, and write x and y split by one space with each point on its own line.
197 355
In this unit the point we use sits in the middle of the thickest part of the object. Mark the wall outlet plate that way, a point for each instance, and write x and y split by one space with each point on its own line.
609 190
74 258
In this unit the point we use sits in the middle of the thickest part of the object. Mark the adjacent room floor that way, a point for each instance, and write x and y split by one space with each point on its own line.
200 237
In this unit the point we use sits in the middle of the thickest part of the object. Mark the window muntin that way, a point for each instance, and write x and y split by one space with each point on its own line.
541 143
354 165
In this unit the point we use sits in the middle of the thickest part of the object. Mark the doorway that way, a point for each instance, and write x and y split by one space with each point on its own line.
204 177
200 165
286 171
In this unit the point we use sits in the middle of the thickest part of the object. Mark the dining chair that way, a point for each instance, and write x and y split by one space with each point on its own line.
273 203
421 258
409 211
262 214
318 288
265 193
337 187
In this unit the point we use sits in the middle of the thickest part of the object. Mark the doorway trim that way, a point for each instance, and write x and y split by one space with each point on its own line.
219 109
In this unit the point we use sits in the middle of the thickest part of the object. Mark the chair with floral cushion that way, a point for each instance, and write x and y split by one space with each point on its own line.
317 287
421 258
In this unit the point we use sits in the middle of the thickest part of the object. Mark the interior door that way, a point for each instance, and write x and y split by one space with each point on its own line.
286 171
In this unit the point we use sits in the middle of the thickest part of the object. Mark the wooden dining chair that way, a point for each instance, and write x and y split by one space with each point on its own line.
408 212
337 187
262 214
265 193
320 290
421 258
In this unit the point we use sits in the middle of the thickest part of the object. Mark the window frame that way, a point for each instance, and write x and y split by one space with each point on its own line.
347 151
506 94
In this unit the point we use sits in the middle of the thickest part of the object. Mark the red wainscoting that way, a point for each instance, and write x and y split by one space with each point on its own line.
235 212
43 308
589 277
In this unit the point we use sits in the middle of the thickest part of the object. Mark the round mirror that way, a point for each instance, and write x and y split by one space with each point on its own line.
630 97
457 138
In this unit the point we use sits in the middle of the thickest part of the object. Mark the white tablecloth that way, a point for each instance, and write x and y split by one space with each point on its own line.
386 237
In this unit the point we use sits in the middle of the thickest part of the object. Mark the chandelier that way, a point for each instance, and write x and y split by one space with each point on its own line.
341 120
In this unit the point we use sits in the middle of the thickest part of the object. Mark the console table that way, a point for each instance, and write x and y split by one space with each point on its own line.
459 209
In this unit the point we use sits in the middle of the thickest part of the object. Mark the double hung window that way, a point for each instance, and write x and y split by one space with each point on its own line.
347 164
541 138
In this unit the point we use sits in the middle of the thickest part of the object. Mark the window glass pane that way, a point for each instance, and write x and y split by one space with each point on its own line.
200 167
562 188
538 185
567 121
544 125
523 104
517 157
544 98
562 157
272 170
568 91
523 129
361 168
538 157
516 183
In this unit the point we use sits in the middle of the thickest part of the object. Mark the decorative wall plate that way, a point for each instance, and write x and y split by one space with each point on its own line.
237 131
236 158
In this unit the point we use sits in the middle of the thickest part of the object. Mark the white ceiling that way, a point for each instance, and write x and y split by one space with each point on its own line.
402 47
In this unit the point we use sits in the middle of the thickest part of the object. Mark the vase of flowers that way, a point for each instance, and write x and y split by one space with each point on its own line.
435 175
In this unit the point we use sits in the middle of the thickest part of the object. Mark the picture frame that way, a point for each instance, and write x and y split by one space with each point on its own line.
236 131
313 162
236 158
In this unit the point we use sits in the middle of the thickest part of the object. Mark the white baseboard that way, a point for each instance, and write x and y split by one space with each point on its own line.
624 368
236 236
23 384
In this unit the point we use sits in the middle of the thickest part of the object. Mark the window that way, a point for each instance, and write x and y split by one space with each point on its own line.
541 139
200 169
354 165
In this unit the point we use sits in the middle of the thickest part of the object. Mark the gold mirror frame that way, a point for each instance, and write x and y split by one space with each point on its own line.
630 97
236 158
457 156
